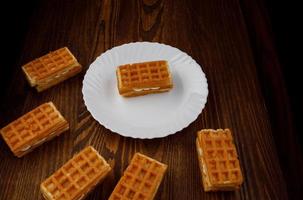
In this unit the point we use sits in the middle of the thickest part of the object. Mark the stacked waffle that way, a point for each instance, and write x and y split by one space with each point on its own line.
34 128
144 78
51 69
77 177
218 160
141 179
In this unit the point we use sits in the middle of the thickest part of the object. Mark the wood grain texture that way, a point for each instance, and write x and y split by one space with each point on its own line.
213 32
275 95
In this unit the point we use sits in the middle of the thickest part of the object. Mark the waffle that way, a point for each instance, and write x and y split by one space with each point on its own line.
218 160
51 69
34 128
144 78
141 179
77 177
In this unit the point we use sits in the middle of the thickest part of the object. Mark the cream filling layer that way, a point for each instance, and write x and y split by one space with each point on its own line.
39 142
205 177
145 89
26 148
204 170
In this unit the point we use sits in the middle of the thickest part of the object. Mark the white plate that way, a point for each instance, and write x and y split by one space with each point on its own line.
149 116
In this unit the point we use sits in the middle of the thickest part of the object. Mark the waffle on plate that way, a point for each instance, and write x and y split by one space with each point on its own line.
144 78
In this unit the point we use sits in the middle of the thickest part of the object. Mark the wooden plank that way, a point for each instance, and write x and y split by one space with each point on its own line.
213 32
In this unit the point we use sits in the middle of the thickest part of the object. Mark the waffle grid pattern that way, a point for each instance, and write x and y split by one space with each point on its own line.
76 177
221 157
140 180
31 126
49 64
144 72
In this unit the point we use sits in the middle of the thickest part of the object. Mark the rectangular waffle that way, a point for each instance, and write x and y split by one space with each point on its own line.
218 160
144 78
140 180
34 128
51 69
77 177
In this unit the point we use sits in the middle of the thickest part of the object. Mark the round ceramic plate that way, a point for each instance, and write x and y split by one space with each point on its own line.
149 116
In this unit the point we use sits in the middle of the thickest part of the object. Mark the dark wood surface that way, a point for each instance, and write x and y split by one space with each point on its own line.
217 34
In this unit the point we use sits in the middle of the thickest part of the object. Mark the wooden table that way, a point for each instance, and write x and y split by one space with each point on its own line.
217 34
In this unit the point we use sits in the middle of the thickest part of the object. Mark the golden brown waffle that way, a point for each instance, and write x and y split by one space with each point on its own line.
51 69
218 160
144 78
77 177
34 128
141 179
